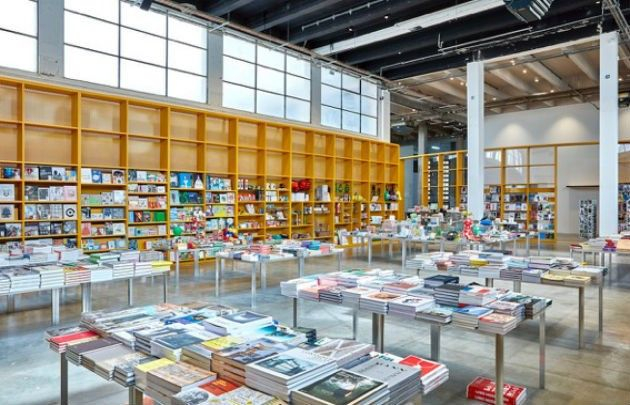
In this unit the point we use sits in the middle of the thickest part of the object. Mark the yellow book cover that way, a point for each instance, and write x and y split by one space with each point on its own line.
222 343
153 365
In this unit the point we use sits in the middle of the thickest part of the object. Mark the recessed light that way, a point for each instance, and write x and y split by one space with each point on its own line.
386 17
513 62
451 78
461 83
494 99
552 91
621 79
536 79
524 71
350 29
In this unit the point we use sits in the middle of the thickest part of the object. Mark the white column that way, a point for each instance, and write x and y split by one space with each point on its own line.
383 120
475 136
423 134
608 132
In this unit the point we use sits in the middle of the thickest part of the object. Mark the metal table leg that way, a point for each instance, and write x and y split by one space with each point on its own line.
135 396
571 253
263 276
583 256
176 269
601 306
489 282
391 250
130 292
295 312
54 310
436 334
425 246
217 267
378 332
86 297
442 245
538 243
339 259
517 286
63 395
581 317
542 343
514 247
355 323
498 347
165 287
527 245
196 262
10 303
369 241
403 247
301 266
253 293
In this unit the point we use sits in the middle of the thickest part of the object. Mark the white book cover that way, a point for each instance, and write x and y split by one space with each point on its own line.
86 176
290 365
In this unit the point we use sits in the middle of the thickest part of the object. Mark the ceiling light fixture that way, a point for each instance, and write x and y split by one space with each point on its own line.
524 71
513 62
386 17
552 91
350 29
494 99
536 79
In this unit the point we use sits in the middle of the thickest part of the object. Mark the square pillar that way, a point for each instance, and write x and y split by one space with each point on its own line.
608 132
475 136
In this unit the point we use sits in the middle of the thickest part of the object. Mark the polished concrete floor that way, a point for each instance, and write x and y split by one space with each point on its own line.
597 374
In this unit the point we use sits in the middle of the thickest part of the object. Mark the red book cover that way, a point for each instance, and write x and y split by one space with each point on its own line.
219 387
426 366
73 336
484 389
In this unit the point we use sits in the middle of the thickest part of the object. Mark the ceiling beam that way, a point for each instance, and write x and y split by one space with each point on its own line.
543 71
449 90
351 18
223 7
290 11
585 66
411 25
513 80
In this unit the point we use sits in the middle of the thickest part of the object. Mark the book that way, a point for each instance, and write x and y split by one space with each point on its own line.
7 212
45 173
31 173
86 176
342 387
58 173
7 192
178 377
43 194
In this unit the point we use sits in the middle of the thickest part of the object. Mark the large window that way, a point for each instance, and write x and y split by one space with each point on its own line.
18 35
348 102
265 80
115 43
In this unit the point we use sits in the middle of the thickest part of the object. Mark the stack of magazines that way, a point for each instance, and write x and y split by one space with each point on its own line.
352 296
402 381
483 389
141 269
22 279
377 302
282 373
120 269
432 374
164 382
355 388
437 314
410 306
343 351
237 323
497 323
448 294
468 317
51 276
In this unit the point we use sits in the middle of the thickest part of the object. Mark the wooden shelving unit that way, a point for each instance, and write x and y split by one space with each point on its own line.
521 184
51 126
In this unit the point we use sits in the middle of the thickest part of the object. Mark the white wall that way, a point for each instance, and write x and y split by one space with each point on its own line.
577 165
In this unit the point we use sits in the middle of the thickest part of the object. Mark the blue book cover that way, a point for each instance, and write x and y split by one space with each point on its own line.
185 180
473 311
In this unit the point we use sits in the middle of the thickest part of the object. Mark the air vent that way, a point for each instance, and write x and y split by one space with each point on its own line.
528 10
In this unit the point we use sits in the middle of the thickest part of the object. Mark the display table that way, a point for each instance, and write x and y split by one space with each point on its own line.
261 265
86 293
378 339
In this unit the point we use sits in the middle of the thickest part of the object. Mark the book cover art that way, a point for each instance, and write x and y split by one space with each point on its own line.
245 317
30 193
45 173
7 192
118 177
58 173
31 173
106 178
7 212
287 365
342 387
69 211
86 176
43 194
426 366
56 194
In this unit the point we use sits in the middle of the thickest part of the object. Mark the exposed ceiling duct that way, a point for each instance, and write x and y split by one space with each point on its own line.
528 10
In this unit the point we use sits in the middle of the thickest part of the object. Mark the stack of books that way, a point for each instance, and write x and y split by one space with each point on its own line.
410 305
541 262
60 339
514 269
75 353
402 381
491 271
120 269
331 294
356 389
343 351
532 275
403 287
5 284
309 292
497 323
577 281
238 323
198 355
439 280
22 279
549 278
230 363
352 296
129 256
171 345
164 382
483 389
377 302
212 392
468 270
142 269
515 309
290 288
448 294
124 372
477 295
103 362
142 369
289 371
75 275
468 317
436 314
51 276
100 273
432 374
160 266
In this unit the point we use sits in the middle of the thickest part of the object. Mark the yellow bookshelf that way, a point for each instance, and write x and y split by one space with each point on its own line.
54 126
